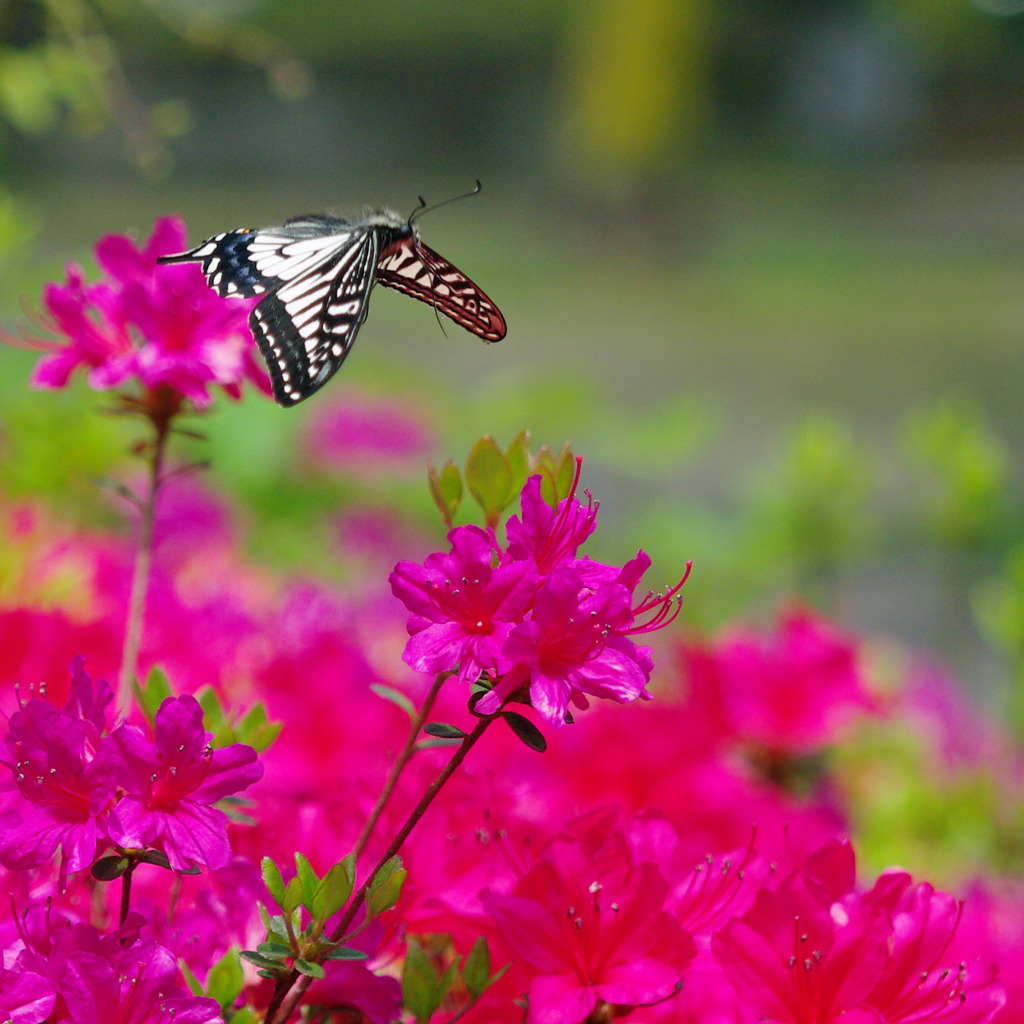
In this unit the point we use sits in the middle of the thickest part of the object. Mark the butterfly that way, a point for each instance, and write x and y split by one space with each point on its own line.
315 274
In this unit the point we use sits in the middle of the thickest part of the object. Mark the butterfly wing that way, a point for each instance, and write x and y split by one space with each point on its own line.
306 326
315 274
413 268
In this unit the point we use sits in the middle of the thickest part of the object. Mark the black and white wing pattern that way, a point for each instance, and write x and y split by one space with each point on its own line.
415 269
315 273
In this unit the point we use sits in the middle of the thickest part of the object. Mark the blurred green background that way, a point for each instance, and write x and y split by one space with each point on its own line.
761 263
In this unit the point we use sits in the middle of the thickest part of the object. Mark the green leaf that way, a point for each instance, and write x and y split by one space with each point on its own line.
386 887
266 963
153 692
275 950
396 697
518 457
345 953
444 731
310 969
446 490
332 892
272 880
195 986
309 879
225 980
106 869
526 731
433 744
477 968
256 730
548 486
243 1016
213 712
489 479
564 472
292 896
419 983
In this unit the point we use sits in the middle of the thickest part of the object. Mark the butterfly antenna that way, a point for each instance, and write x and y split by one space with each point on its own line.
423 208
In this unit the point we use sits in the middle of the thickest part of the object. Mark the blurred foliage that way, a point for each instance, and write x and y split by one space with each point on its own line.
963 474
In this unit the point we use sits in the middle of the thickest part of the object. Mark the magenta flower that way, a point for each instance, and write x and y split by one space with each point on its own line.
462 609
573 645
25 997
539 622
793 692
546 536
816 952
138 986
171 783
591 925
63 767
161 326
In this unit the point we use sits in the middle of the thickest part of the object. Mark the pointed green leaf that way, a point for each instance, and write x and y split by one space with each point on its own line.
526 731
213 712
419 983
548 487
564 472
518 457
444 731
345 953
266 963
433 744
386 887
292 896
256 730
151 694
446 490
332 892
396 697
477 968
243 1016
225 980
275 950
309 879
489 479
308 968
272 880
106 869
195 986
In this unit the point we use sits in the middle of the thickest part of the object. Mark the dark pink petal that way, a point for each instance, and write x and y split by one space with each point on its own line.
559 999
25 997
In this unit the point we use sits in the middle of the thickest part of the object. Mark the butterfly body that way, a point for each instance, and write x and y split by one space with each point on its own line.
314 275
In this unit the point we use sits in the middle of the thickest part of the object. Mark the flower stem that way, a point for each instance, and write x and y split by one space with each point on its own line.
291 989
143 560
126 890
400 762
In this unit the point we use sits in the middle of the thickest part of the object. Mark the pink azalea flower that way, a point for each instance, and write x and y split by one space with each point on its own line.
592 926
462 609
359 434
161 326
816 952
793 692
139 986
546 536
573 645
25 997
63 767
171 783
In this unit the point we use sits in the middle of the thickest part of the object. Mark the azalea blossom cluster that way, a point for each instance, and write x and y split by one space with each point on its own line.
681 858
532 616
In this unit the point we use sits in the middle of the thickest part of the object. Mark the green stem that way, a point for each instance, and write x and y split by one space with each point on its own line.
126 890
143 563
292 988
